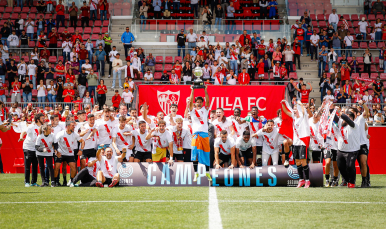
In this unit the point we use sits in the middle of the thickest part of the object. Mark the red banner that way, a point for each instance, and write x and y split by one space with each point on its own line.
266 98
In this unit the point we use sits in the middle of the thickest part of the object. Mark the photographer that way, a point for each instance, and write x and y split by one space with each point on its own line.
325 86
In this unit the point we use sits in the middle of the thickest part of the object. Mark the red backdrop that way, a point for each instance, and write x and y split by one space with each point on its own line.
266 98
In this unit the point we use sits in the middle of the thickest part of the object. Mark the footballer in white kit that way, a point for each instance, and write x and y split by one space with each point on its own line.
187 143
162 143
108 173
142 146
224 151
104 128
172 116
238 127
123 138
178 134
222 123
246 150
90 143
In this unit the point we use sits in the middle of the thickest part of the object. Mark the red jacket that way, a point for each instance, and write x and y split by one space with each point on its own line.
241 40
73 39
296 49
116 100
244 78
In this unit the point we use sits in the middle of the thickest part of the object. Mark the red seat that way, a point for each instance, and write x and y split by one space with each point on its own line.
168 59
360 59
383 76
16 58
96 30
105 30
381 44
363 45
374 76
31 44
371 17
9 9
26 58
159 59
52 59
320 17
313 17
355 75
179 58
157 75
373 68
354 17
158 67
34 92
94 37
86 30
293 75
355 45
372 45
365 75
322 24
168 67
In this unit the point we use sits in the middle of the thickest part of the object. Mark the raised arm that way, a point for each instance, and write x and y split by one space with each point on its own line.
191 98
207 102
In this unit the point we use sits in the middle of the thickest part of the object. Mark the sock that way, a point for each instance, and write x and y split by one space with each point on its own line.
364 179
71 179
207 168
335 178
57 179
327 177
306 172
64 179
300 171
195 164
368 174
286 156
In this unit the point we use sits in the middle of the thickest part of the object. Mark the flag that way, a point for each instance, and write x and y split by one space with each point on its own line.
287 122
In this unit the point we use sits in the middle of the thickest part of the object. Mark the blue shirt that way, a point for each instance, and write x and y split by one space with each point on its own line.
127 37
157 5
308 35
342 100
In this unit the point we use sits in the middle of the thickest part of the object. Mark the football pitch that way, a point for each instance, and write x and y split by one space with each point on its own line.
191 207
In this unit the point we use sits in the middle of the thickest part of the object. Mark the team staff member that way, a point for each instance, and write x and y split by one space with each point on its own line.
246 150
224 151
32 133
64 151
44 150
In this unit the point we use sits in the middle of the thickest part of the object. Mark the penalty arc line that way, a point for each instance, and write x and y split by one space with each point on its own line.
214 211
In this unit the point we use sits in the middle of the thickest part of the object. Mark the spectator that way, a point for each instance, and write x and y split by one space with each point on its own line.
306 17
5 31
363 27
322 60
60 69
333 19
89 48
83 55
336 44
135 67
53 36
100 41
45 53
101 90
41 93
263 9
314 45
345 72
231 16
82 82
76 36
40 6
51 94
181 38
15 93
32 71
207 16
30 28
116 99
378 88
22 72
219 15
117 64
244 37
59 15
42 39
143 15
68 94
3 71
127 39
341 96
191 38
103 6
112 57
19 25
127 98
187 72
85 14
244 77
13 41
367 57
27 90
148 77
67 46
157 9
92 80
150 63
175 80
100 56
93 9
331 57
194 7
50 71
378 7
166 7
73 11
367 6
234 58
326 86
23 42
378 118
3 87
165 78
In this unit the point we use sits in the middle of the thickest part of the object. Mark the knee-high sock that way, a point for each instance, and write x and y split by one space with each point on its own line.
306 172
300 172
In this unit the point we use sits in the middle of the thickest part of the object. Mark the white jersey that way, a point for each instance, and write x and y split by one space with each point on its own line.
271 141
109 166
55 130
178 139
225 147
277 122
315 138
300 126
334 137
218 78
188 138
361 122
93 171
244 146
46 142
199 120
254 127
153 121
238 128
78 130
167 119
105 130
161 140
66 142
91 143
349 138
122 141
141 144
220 126
30 140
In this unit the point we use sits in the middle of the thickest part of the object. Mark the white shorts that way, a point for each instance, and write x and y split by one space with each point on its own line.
261 75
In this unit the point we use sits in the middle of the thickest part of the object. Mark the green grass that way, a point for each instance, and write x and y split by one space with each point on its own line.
236 207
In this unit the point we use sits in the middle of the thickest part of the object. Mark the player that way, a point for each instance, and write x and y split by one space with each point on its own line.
123 138
173 114
162 140
44 150
104 127
64 150
142 146
224 151
271 142
133 118
300 142
81 114
108 173
200 139
56 127
222 123
178 134
316 140
237 127
187 143
89 144
32 133
246 150
88 175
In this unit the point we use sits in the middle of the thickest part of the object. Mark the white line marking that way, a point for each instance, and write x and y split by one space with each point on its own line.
214 211
213 202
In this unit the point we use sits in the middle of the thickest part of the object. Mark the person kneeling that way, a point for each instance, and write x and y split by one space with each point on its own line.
88 175
224 150
109 174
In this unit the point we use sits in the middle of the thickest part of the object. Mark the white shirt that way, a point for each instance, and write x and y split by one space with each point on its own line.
254 127
30 140
244 146
161 140
22 69
41 90
52 91
141 144
105 130
214 69
239 128
363 26
271 141
314 39
178 139
31 70
191 37
202 44
55 130
122 141
92 142
299 124
112 54
93 4
315 137
333 18
148 76
167 119
361 122
348 40
222 59
199 120
379 25
65 44
220 126
93 171
13 40
224 147
66 142
127 96
187 125
29 25
46 142
206 72
349 138
231 80
329 97
367 98
217 80
234 53
109 167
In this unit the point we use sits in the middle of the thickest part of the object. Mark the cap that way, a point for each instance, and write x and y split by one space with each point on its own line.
379 111
135 53
29 104
165 71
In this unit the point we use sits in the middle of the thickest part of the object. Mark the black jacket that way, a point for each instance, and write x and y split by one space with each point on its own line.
219 13
169 6
82 79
